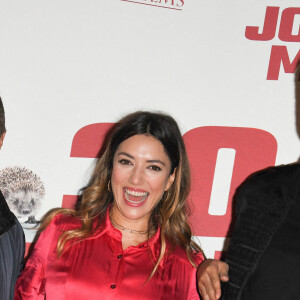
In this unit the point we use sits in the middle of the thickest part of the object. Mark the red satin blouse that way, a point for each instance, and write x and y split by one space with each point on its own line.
98 268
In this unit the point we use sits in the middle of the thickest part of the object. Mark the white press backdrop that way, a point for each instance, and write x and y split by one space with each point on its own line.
67 64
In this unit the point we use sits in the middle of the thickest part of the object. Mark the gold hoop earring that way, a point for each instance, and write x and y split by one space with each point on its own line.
167 193
108 186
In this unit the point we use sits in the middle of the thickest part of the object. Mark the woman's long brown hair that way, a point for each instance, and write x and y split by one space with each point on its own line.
171 213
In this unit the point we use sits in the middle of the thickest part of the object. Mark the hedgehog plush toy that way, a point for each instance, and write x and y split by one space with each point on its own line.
23 191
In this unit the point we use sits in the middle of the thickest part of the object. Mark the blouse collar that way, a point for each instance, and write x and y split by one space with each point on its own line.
107 228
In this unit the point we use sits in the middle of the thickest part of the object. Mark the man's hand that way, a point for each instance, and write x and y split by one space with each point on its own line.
210 273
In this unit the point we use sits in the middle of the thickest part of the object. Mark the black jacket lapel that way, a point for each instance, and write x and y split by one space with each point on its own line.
7 218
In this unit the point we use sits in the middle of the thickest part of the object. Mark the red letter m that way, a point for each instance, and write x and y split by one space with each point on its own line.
279 54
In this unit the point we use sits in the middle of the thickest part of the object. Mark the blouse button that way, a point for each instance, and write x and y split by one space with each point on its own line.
119 256
113 286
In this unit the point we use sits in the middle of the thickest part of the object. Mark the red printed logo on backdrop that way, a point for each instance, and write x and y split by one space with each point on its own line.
170 4
87 143
279 54
247 149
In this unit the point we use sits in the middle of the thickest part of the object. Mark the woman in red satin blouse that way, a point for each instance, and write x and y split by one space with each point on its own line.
129 238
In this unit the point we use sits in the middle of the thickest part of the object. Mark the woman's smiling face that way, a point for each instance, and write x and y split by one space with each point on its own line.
140 176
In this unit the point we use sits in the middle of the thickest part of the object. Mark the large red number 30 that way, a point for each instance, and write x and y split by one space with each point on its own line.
253 149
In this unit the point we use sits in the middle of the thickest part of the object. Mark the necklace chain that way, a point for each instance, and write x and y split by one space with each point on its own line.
115 224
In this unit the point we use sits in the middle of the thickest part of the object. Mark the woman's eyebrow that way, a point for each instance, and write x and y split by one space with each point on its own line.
156 161
126 154
148 161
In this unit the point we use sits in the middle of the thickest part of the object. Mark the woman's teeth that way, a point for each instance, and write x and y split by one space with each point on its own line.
135 193
134 196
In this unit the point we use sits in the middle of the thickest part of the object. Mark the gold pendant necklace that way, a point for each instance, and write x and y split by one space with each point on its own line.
126 229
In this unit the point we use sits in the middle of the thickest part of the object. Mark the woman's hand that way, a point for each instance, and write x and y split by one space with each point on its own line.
209 275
